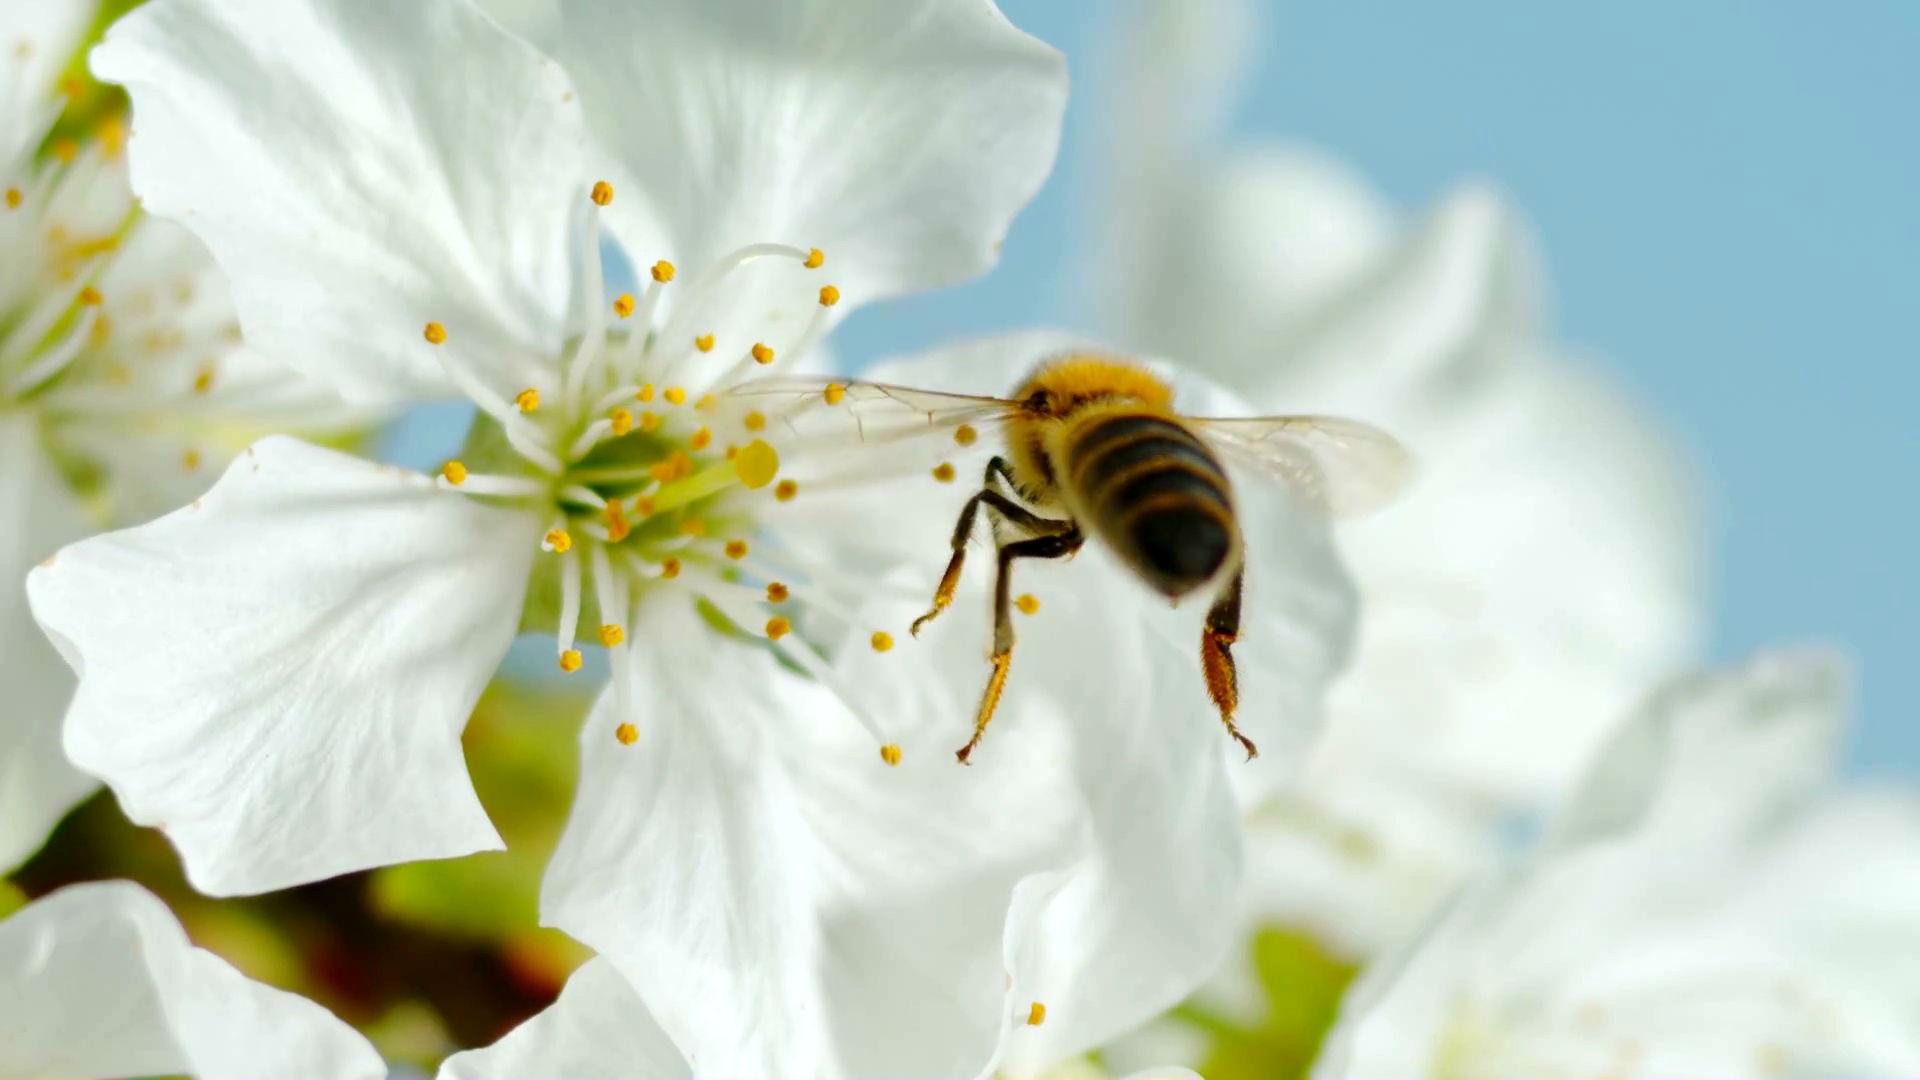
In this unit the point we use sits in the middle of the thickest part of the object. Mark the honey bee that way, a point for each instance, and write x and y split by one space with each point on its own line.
1094 448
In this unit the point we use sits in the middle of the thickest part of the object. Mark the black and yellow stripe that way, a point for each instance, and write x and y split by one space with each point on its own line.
1154 492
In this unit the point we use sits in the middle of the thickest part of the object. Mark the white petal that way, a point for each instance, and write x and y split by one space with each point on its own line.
783 901
100 980
37 784
899 136
536 21
361 168
598 1028
277 676
36 41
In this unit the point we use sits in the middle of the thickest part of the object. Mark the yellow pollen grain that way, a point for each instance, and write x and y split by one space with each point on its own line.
829 296
436 334
602 193
558 541
618 528
815 259
890 753
670 568
623 305
644 394
881 641
785 490
704 343
190 459
736 550
965 435
757 464
627 734
778 628
755 421
649 421
1036 1014
622 421
570 661
455 472
1028 604
777 592
90 297
612 635
733 451
14 198
527 400
701 439
761 353
694 526
682 464
836 394
203 379
943 472
675 395
663 271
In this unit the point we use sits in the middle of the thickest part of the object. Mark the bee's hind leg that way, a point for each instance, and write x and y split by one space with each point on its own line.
1060 544
1000 503
1216 658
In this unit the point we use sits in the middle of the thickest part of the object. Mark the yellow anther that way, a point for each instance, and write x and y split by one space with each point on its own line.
836 393
112 135
602 193
890 753
14 198
815 258
623 305
777 592
1036 1014
663 271
190 459
778 628
436 334
736 549
645 393
762 354
618 528
643 505
455 472
203 379
701 439
65 151
682 464
694 526
757 464
706 403
627 734
1028 604
102 330
882 641
965 435
829 296
704 343
612 635
528 399
90 297
649 421
785 490
733 451
661 471
675 396
755 421
943 472
570 661
670 568
622 421
558 541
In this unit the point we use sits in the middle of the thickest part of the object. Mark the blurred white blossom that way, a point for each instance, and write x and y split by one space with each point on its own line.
1704 905
123 386
100 980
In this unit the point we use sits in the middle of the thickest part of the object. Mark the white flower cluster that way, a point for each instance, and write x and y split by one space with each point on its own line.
779 868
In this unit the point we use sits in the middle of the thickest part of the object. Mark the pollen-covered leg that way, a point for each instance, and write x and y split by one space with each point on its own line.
1216 659
1008 510
1063 543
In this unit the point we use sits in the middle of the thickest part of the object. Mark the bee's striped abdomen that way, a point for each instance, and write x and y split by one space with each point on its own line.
1155 494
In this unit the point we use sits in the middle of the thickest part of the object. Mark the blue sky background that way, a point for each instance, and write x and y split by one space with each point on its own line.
1728 196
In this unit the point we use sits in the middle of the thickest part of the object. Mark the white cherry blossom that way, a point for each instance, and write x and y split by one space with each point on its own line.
1705 905
123 387
100 980
405 199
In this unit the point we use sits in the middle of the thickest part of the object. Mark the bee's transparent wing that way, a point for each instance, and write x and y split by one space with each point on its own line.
826 414
1338 466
